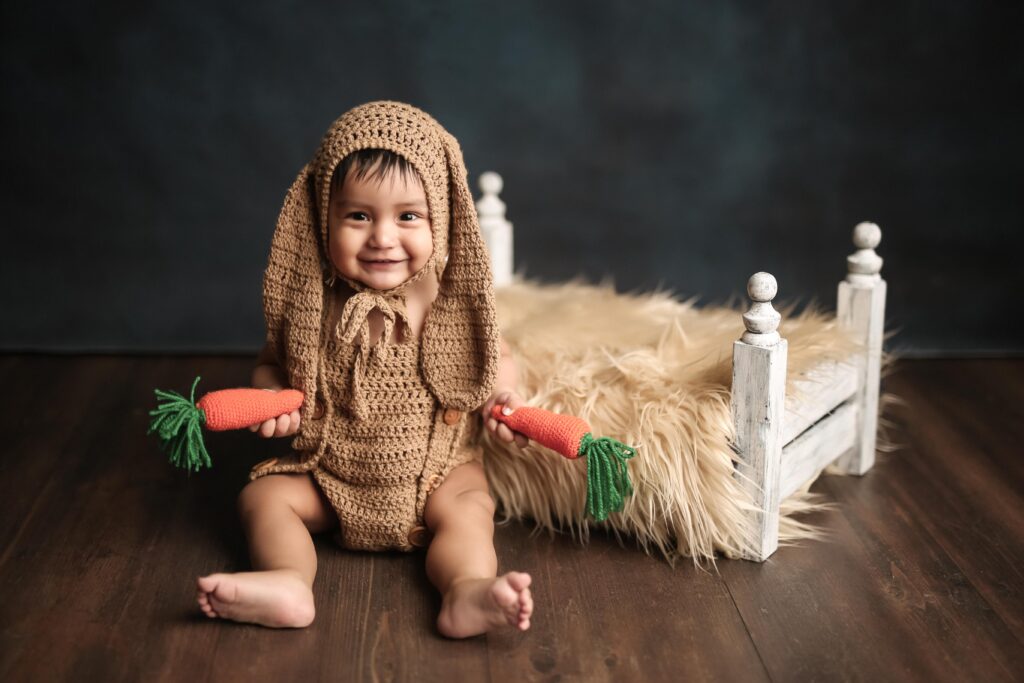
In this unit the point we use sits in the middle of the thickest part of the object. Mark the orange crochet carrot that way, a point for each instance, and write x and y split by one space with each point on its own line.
178 420
607 477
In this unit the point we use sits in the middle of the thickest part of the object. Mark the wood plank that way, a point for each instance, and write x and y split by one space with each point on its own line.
611 613
968 498
879 601
994 388
375 621
96 571
819 391
808 454
51 391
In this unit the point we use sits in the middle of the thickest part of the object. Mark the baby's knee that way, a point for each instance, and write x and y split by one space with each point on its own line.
257 495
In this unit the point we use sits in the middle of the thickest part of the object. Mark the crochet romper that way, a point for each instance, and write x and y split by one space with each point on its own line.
378 471
382 423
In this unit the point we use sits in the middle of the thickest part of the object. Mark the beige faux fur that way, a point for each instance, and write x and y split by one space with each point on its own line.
653 372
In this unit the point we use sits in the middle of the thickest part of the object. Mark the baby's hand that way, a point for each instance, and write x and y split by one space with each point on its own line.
282 425
511 400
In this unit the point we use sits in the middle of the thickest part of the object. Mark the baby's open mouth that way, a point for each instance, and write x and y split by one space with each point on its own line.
381 263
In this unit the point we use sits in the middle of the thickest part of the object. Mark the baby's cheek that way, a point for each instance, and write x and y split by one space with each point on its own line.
424 241
340 249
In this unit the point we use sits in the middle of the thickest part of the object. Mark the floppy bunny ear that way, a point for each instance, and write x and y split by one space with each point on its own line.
460 334
293 289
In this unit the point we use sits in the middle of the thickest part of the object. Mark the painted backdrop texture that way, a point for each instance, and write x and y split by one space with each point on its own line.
148 146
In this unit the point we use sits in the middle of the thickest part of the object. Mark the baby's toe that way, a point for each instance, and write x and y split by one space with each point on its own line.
217 605
207 584
519 580
525 603
504 595
204 605
514 612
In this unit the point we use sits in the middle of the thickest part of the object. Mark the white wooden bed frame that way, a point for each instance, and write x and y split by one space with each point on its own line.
780 442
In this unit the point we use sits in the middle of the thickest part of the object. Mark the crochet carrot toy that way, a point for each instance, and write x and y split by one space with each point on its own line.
178 420
607 477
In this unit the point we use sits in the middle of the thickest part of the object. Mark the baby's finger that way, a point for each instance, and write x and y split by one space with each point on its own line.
282 425
514 401
526 602
295 418
504 433
521 440
492 424
267 428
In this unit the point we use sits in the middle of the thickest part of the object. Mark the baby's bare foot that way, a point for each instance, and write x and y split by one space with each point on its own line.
277 598
475 606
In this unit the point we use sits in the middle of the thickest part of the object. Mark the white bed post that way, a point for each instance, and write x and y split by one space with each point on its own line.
860 306
496 229
758 409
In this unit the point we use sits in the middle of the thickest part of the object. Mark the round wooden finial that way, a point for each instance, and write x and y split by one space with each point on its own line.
491 182
863 266
490 207
867 235
762 287
762 321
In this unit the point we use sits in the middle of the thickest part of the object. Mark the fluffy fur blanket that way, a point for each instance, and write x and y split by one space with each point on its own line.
654 372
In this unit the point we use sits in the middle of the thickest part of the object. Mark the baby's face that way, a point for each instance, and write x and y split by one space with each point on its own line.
379 231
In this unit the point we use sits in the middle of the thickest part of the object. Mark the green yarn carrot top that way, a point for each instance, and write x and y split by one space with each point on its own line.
178 421
608 481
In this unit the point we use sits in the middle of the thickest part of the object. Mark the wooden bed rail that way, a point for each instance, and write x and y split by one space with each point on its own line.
781 446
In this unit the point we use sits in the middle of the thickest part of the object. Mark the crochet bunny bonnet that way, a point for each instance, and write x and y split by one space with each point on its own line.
460 333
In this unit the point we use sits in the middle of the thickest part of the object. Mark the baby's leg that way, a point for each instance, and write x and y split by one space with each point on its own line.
462 564
278 512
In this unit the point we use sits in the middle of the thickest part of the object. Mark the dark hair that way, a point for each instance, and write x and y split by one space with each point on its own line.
377 164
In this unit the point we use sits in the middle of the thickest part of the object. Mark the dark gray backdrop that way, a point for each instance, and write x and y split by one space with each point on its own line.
147 150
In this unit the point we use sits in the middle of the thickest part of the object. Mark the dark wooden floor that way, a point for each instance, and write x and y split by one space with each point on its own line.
100 541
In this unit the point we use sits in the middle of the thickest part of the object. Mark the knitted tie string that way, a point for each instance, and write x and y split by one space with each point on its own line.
355 322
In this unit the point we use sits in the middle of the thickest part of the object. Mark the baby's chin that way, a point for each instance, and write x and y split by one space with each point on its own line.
383 281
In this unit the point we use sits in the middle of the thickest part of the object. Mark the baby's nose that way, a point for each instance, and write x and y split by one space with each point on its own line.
385 233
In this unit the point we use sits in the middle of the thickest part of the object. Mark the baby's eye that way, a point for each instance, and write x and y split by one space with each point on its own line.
357 216
408 216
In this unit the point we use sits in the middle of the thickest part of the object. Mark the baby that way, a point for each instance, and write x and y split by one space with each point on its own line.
379 306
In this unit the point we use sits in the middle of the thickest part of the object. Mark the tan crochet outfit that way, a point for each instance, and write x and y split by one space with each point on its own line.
382 424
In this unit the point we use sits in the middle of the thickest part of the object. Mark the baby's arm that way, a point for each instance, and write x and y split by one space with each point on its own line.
268 375
505 394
